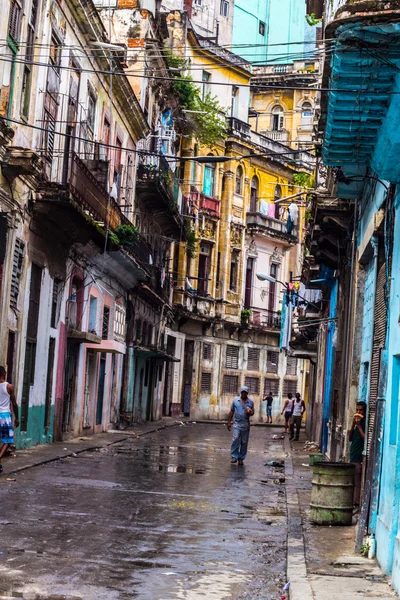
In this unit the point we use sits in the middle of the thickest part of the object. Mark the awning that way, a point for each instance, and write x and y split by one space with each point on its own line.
158 354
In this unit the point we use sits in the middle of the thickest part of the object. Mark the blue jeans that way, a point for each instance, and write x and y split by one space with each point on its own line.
240 440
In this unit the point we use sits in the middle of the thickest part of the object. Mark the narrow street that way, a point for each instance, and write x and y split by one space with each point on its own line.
159 517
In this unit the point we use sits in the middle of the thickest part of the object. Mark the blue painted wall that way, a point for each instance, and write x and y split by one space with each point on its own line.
285 23
326 411
367 328
387 523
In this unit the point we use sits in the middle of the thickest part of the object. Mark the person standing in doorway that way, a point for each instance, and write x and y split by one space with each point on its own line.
287 409
357 439
242 409
7 398
269 400
298 409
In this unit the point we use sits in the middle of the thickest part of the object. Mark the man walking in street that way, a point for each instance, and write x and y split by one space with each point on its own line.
242 409
357 439
287 409
269 400
298 409
7 398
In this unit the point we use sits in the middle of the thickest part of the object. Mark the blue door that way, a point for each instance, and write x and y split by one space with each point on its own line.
100 389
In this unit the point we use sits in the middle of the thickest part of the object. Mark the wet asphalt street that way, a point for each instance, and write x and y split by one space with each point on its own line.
161 517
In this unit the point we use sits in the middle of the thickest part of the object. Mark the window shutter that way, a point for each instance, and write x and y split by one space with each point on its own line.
232 357
230 384
289 386
253 359
253 383
271 385
291 365
272 362
205 384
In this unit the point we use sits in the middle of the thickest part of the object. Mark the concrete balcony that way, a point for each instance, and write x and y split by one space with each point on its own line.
279 136
265 319
269 227
206 204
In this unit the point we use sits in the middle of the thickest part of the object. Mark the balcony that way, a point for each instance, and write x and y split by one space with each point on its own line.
270 227
205 204
88 190
278 136
238 128
263 318
155 191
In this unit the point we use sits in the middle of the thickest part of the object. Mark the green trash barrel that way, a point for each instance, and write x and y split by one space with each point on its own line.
332 493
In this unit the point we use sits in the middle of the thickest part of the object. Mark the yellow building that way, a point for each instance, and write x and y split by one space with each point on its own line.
285 112
229 321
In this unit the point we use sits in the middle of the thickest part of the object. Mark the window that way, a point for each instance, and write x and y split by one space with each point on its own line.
205 384
197 2
14 23
18 261
272 289
118 155
207 351
253 383
289 386
261 28
306 113
224 8
93 314
291 365
233 276
106 136
55 52
218 274
248 293
106 323
277 118
235 102
206 78
208 181
29 54
120 322
91 110
254 194
272 362
239 180
204 268
253 359
271 386
230 384
55 302
232 357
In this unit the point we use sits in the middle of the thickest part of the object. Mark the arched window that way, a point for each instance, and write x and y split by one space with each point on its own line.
254 194
306 113
277 118
239 180
209 177
277 196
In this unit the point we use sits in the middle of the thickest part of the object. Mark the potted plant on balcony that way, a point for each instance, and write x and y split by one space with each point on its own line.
245 316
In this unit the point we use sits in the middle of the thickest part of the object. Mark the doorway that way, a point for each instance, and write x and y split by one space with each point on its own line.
248 296
100 389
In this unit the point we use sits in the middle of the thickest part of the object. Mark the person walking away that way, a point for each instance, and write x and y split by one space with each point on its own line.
287 409
298 409
7 398
269 400
357 439
242 409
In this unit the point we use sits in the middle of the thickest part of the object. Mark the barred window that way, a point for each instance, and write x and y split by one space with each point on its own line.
271 385
272 362
18 262
207 351
230 384
289 386
253 383
232 357
205 384
106 322
253 359
291 365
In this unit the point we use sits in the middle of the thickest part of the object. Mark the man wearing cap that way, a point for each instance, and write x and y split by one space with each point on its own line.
242 409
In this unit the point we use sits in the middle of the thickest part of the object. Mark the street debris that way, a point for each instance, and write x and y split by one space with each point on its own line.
275 463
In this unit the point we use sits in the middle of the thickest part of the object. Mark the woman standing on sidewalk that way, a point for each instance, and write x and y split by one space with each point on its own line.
287 409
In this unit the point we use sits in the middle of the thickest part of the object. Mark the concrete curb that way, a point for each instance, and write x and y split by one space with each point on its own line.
300 587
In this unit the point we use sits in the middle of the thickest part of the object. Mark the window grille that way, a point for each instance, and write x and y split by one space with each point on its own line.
207 351
253 359
55 303
230 384
18 261
253 383
205 384
289 386
232 357
272 362
106 323
271 385
119 322
291 365
224 8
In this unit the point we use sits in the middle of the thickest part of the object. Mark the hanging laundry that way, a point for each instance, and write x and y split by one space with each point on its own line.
293 212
